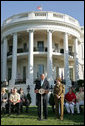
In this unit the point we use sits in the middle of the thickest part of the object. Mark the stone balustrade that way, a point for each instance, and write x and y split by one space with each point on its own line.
41 15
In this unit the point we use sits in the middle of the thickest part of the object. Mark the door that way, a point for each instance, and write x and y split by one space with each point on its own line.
40 45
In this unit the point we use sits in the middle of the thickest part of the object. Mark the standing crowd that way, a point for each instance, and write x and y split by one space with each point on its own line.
16 100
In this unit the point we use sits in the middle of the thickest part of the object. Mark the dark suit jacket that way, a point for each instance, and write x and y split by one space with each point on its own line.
23 96
44 86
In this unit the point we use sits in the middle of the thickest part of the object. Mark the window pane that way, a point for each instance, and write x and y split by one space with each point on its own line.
40 46
40 69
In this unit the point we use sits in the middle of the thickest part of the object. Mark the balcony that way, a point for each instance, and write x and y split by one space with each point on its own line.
9 53
71 54
21 50
38 49
20 81
62 51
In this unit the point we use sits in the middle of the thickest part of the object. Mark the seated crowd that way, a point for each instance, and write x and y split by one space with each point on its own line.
74 99
15 100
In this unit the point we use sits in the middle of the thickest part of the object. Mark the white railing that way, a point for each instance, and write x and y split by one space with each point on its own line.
58 15
41 15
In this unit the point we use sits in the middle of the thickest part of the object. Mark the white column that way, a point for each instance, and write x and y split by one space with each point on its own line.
76 64
29 80
4 61
49 58
30 61
66 62
14 59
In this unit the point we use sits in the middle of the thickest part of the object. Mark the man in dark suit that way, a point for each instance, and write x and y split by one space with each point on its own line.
42 83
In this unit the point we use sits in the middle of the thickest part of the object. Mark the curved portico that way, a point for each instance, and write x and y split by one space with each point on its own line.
52 38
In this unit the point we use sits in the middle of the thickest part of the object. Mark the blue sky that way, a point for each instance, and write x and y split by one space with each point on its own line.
72 8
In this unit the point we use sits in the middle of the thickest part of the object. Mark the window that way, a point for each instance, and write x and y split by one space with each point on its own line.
9 73
40 69
40 45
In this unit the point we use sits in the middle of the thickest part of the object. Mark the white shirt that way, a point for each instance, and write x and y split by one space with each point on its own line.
42 81
15 97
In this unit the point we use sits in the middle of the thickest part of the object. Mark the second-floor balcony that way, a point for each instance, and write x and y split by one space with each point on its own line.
38 49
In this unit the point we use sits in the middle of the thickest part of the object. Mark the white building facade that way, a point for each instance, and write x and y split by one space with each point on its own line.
46 42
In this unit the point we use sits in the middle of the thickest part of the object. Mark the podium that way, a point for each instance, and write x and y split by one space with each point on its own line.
41 91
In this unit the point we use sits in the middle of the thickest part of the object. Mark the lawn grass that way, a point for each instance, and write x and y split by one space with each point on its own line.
31 118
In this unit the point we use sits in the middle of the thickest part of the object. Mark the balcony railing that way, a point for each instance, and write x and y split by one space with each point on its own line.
9 53
44 14
38 49
62 51
21 50
20 81
44 49
71 54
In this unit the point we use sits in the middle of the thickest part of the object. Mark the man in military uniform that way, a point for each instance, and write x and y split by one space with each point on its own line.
59 90
14 101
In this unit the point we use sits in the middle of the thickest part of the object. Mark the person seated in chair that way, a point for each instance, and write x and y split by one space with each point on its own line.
14 101
23 100
79 99
4 100
70 99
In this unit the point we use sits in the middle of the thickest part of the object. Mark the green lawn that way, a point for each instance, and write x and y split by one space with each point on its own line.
31 119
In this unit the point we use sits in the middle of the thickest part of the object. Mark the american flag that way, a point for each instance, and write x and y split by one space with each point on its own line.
39 8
